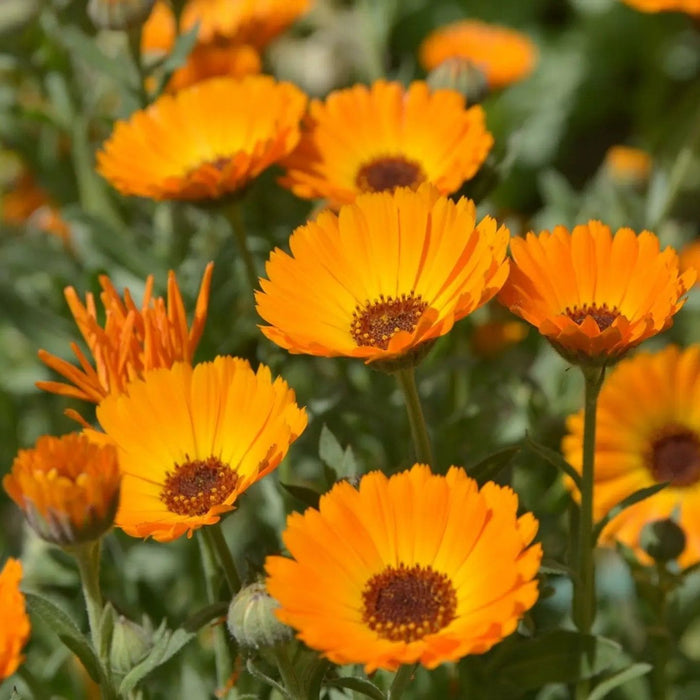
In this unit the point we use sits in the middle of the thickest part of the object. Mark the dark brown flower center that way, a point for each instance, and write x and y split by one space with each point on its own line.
675 457
195 486
374 322
406 604
602 315
388 173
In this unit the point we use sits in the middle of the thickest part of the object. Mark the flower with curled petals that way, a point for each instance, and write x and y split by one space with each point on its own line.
383 277
592 294
691 7
191 440
377 138
15 627
415 567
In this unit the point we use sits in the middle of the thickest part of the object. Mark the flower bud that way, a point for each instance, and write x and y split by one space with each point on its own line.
461 75
252 620
627 167
119 14
130 644
663 540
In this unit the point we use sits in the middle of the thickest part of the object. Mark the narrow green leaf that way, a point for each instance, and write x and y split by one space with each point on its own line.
359 685
330 450
177 57
306 495
636 497
618 679
554 458
67 631
106 629
489 467
207 614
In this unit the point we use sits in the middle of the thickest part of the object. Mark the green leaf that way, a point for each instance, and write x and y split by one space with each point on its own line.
633 498
561 656
177 57
106 629
67 631
329 449
167 645
618 679
306 495
554 458
207 614
359 685
488 468
555 568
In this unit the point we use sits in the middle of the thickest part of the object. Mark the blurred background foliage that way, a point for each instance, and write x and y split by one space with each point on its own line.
606 75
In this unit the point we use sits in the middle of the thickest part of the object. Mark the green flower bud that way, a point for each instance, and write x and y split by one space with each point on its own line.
119 14
252 620
662 540
130 644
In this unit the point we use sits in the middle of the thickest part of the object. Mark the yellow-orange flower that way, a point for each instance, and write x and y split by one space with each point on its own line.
503 55
159 31
67 487
384 276
205 141
591 294
647 432
15 627
628 165
388 573
690 258
254 22
131 341
377 138
689 6
191 440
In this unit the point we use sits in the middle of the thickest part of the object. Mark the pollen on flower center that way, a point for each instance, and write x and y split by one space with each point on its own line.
388 173
374 323
195 486
405 604
602 315
675 457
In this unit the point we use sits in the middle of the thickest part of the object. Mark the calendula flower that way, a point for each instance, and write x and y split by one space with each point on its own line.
410 568
591 294
159 31
191 440
205 141
647 432
67 487
15 627
377 138
254 22
503 55
628 165
131 341
690 258
691 7
384 276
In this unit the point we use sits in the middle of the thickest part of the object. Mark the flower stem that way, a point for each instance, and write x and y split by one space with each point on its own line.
294 689
217 542
88 557
401 680
419 430
236 219
660 637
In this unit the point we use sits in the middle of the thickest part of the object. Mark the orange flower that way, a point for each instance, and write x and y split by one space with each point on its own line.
383 277
192 440
691 7
205 141
493 337
628 165
67 487
591 294
503 55
15 627
372 139
254 22
159 31
647 432
690 258
387 573
131 341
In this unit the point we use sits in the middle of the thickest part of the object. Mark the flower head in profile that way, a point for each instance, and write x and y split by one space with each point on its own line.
388 573
377 138
131 341
626 165
647 432
67 488
503 55
205 141
192 440
15 627
382 277
592 294
691 7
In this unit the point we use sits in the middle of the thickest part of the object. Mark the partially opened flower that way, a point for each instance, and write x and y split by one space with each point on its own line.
191 440
67 487
254 22
592 294
412 568
502 54
131 340
647 432
384 276
15 627
205 141
377 138
689 6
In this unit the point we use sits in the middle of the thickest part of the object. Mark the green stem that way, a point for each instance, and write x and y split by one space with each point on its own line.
401 680
419 430
294 689
88 558
660 638
217 542
236 219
